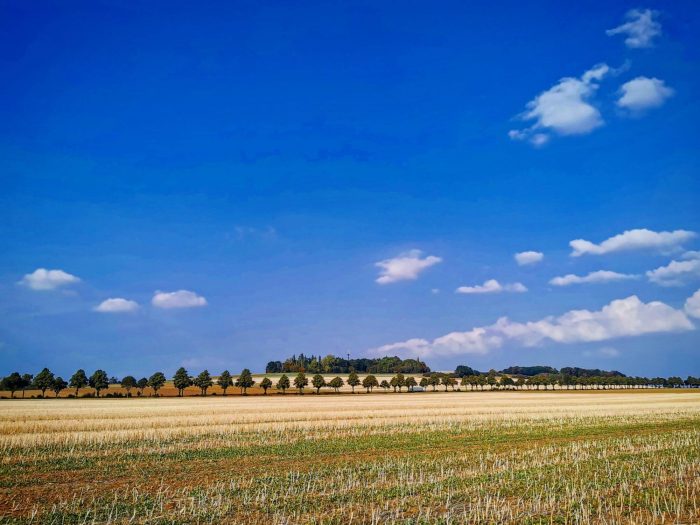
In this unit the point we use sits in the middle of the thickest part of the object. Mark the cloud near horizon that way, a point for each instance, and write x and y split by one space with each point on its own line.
627 317
405 267
179 299
641 28
43 279
492 286
637 239
600 276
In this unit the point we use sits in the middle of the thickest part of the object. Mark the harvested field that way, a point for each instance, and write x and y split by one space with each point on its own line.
494 457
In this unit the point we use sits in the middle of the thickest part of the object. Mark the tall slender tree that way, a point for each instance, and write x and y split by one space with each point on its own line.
44 381
225 380
336 383
265 384
410 382
156 382
353 380
369 382
99 381
127 383
141 384
282 383
13 383
203 381
300 381
245 381
58 384
181 380
318 382
78 380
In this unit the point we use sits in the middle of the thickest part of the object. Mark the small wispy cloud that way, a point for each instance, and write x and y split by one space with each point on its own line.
42 279
405 267
492 286
529 257
600 276
178 299
640 29
117 305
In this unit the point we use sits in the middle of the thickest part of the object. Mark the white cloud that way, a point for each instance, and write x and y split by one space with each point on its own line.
564 108
643 93
43 279
637 239
407 266
179 299
492 286
601 276
117 305
676 273
627 317
530 257
692 305
640 28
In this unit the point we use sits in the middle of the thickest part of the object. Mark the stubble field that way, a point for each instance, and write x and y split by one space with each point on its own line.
491 457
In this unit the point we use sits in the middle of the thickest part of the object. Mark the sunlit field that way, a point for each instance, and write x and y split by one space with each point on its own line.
494 457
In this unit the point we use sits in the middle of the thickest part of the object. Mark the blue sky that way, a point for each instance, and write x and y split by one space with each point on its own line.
263 158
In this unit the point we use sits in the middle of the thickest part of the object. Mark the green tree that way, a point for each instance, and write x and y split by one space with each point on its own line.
491 379
369 382
99 381
353 380
507 382
410 382
424 382
141 384
225 380
282 383
128 382
156 382
203 381
336 383
448 381
434 381
43 381
385 385
78 380
58 384
181 380
265 384
245 381
13 382
300 382
318 382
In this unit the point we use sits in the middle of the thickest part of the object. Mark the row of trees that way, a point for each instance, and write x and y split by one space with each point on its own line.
337 365
99 381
